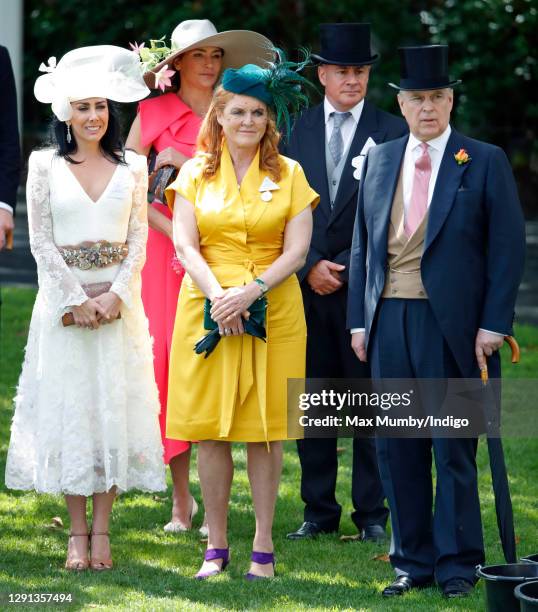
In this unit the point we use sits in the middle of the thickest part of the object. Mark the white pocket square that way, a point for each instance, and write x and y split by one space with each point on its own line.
368 145
357 162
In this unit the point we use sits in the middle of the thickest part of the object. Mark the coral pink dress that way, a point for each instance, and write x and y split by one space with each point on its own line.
165 121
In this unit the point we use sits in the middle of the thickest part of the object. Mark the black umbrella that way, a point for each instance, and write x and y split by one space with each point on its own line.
499 477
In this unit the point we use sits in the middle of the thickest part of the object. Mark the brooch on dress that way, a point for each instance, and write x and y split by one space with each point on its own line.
266 187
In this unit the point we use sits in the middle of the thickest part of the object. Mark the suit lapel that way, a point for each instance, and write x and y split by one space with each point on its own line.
447 185
313 144
380 206
367 128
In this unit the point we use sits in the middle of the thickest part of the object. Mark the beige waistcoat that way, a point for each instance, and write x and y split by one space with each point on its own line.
404 254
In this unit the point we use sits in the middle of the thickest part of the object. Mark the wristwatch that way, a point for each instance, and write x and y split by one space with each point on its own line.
263 286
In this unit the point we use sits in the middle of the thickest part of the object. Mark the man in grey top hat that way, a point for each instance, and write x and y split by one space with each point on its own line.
330 142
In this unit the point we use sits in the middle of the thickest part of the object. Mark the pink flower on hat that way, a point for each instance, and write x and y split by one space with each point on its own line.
162 78
136 48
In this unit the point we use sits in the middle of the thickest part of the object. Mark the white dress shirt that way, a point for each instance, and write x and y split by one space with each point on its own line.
348 127
7 207
436 150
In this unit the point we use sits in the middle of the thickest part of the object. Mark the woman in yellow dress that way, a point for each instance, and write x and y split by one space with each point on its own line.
242 227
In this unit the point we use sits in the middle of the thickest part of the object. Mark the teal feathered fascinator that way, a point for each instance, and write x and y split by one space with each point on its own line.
280 85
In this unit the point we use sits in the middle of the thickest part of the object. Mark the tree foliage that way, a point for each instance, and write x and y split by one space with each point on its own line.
491 49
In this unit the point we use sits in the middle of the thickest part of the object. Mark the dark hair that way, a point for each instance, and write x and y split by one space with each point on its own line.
111 144
176 79
176 82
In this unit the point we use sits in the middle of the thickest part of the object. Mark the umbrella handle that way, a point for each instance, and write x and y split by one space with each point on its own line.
9 240
516 354
514 346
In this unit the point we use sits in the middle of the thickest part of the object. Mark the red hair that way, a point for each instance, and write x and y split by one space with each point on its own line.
211 135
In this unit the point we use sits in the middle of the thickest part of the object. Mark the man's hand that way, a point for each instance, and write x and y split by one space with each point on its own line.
485 344
170 157
6 224
324 277
358 345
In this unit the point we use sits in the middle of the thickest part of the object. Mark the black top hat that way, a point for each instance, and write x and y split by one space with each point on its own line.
345 44
424 68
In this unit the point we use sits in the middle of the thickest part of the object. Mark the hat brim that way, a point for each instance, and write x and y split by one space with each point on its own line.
122 89
351 62
44 88
240 47
428 88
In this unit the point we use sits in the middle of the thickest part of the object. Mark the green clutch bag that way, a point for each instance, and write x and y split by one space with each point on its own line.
254 326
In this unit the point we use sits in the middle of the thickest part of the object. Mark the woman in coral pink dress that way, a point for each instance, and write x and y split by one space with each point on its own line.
169 124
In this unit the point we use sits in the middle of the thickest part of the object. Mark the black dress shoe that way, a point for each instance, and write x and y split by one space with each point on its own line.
401 585
457 587
373 533
308 530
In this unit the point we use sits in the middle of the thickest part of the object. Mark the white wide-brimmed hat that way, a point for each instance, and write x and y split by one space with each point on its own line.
101 71
240 46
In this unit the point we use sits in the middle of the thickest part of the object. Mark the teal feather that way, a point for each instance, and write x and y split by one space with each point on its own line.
287 87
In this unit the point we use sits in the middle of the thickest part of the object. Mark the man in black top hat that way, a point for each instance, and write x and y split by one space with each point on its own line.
9 146
330 142
436 261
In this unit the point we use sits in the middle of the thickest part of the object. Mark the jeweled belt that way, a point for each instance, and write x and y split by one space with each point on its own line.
100 254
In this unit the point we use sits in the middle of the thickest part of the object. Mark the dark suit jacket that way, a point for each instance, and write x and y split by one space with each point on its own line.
473 256
10 154
333 230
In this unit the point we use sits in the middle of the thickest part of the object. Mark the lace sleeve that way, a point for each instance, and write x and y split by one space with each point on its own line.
58 287
127 282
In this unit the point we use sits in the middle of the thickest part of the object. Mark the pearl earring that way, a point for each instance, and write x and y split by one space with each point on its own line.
68 137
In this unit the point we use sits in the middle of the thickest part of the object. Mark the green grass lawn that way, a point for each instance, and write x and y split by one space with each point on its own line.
153 570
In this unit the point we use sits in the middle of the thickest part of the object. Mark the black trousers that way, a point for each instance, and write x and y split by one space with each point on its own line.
329 355
446 543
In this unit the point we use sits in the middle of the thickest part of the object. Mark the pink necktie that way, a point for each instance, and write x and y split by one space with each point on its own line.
419 196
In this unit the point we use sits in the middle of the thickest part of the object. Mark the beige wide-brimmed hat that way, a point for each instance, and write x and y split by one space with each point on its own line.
240 46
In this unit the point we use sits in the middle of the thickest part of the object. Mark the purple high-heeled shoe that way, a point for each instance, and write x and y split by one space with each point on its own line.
263 558
210 555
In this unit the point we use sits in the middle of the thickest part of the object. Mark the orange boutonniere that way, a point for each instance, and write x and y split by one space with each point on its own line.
462 157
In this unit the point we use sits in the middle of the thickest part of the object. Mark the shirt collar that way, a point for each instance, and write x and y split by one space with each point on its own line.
439 143
356 111
252 178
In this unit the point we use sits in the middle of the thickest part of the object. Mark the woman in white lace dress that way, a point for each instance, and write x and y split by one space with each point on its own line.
86 410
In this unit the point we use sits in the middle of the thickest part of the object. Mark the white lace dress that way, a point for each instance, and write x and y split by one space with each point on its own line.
86 409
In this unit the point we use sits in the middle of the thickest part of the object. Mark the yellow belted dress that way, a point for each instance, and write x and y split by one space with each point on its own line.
239 393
